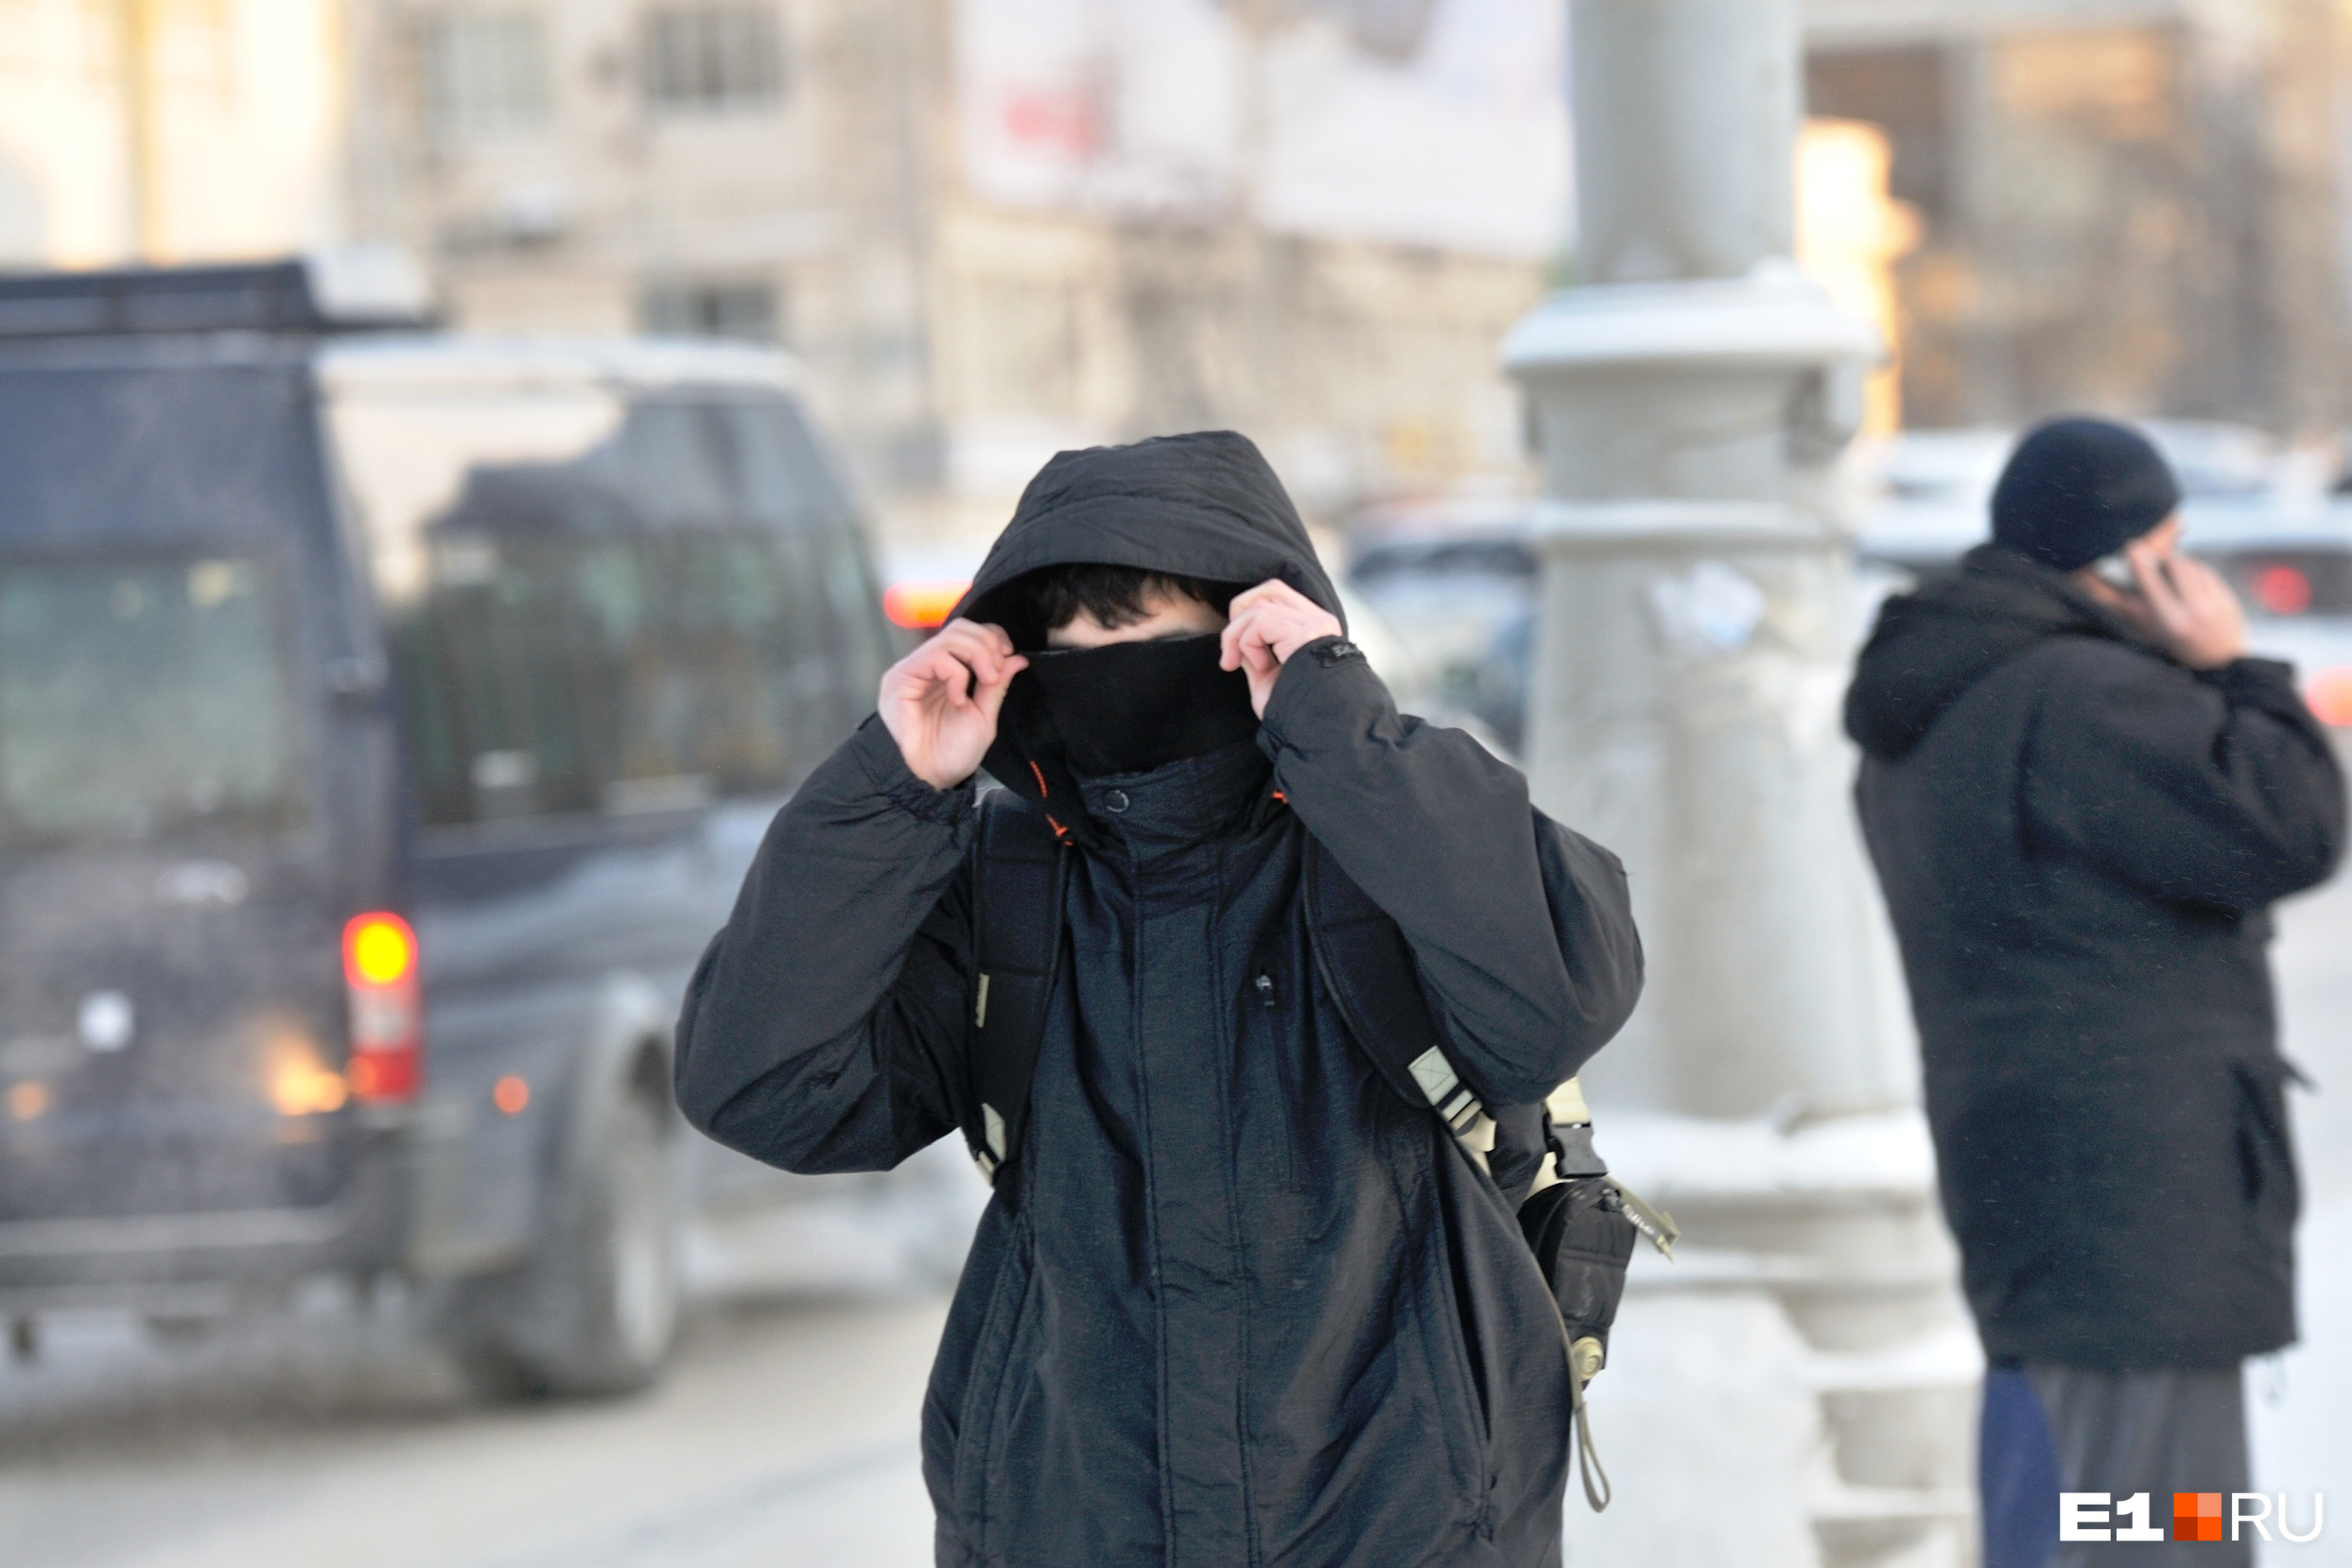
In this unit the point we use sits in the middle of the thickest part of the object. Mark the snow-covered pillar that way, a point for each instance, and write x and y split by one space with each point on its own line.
1699 614
1699 617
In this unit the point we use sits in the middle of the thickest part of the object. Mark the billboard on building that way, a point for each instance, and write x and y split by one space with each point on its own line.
1426 122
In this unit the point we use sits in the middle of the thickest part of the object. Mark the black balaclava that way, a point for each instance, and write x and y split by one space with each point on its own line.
1205 505
1132 706
2077 489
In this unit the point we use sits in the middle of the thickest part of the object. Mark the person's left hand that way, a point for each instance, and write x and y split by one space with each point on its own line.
1268 623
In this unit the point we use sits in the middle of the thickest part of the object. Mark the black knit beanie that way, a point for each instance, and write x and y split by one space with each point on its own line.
2077 489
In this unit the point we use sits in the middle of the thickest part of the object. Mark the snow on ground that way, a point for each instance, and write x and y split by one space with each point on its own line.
2300 1405
1708 1428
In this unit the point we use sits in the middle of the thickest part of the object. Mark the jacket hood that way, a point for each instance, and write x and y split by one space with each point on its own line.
1205 505
1931 647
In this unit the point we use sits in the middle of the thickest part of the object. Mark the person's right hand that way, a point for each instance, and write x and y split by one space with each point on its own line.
2187 606
940 703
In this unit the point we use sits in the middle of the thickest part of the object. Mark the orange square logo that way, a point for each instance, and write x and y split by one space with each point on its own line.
2196 1516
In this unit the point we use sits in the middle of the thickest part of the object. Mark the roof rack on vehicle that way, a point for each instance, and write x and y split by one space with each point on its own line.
361 287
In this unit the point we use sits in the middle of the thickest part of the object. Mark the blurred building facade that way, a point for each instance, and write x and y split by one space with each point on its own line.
997 227
2129 205
994 228
168 130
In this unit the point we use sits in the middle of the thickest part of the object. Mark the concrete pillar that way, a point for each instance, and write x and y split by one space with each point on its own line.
1698 622
1686 111
1698 601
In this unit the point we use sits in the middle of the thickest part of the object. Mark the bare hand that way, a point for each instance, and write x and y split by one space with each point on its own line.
940 703
1268 623
2184 605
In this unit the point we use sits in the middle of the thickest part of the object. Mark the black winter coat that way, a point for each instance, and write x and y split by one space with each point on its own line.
1252 1308
2080 839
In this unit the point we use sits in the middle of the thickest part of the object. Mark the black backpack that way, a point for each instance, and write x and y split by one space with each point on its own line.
1580 1224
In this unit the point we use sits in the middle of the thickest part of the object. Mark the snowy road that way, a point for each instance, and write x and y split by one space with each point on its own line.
786 1438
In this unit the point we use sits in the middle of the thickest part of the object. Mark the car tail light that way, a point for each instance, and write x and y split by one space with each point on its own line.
2329 693
2283 590
386 1009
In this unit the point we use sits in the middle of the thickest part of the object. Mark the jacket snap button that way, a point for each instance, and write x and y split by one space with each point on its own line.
1115 801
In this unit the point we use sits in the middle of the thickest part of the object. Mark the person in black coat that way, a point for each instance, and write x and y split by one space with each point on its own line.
2082 799
1250 1306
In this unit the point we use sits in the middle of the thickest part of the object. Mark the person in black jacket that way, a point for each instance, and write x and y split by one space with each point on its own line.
2081 799
1250 1306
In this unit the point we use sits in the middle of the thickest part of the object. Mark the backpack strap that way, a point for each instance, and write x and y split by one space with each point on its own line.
1020 872
1367 967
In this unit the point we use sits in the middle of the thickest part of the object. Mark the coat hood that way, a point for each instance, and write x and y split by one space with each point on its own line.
1205 505
1931 647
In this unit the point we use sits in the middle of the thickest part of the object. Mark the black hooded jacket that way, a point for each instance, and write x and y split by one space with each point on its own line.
2080 839
1252 1308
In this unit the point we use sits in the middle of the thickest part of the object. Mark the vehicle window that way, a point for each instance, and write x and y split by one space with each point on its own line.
785 480
647 622
141 698
2288 581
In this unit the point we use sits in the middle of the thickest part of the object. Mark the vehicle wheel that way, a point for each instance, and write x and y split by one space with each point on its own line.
596 1311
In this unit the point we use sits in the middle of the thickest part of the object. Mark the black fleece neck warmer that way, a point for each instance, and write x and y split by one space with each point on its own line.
1133 707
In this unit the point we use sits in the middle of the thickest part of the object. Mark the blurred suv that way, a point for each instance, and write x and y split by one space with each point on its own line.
386 720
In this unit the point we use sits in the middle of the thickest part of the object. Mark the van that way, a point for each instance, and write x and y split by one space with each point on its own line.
387 718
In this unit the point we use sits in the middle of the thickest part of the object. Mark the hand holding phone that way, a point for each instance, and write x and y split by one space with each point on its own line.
2183 603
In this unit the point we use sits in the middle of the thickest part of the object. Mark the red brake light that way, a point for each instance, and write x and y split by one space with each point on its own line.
920 606
387 1008
2283 590
2329 693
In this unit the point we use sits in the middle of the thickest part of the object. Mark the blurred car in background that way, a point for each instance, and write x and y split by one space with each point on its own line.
1948 475
1455 582
386 720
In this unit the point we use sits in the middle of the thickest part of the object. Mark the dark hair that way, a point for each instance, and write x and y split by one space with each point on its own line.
1113 595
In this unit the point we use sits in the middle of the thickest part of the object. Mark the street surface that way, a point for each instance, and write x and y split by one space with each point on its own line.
786 1436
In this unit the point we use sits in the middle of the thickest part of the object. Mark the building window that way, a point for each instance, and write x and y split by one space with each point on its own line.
485 72
745 312
702 59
